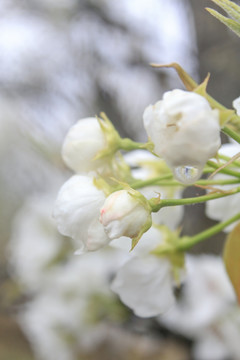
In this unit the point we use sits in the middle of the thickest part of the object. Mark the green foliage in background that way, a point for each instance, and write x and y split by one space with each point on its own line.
233 10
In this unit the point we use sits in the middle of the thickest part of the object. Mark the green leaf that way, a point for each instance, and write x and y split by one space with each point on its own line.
231 24
231 257
232 9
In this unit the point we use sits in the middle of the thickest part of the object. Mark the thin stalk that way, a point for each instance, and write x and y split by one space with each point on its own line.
226 130
227 158
128 145
224 171
157 204
153 181
187 242
200 182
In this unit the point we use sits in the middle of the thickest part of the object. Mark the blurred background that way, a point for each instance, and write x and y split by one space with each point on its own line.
61 60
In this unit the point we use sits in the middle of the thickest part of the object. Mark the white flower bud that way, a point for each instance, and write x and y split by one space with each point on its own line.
125 214
82 143
184 129
77 211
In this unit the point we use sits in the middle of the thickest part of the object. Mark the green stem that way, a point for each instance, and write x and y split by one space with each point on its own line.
128 145
159 181
227 158
153 181
208 170
187 242
231 133
224 171
199 182
157 204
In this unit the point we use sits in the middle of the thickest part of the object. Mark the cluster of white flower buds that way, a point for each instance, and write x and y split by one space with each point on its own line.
185 132
100 202
83 210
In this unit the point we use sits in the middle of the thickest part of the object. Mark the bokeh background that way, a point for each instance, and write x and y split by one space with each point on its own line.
67 59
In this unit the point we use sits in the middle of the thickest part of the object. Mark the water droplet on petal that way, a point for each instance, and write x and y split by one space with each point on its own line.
187 174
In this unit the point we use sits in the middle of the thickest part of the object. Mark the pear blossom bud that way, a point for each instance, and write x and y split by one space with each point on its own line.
77 211
125 213
184 129
82 143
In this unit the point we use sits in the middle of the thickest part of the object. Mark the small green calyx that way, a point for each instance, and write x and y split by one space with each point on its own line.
144 228
169 249
170 242
201 89
137 196
140 198
155 203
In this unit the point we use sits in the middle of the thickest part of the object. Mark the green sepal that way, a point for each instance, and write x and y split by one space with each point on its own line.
168 249
169 243
111 136
187 80
103 185
225 114
201 89
155 203
144 228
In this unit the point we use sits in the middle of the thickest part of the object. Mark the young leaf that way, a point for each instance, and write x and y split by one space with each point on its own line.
231 24
231 257
232 9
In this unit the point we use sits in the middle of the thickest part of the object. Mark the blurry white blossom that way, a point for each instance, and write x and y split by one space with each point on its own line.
206 311
236 105
145 282
221 340
206 295
68 297
67 316
226 207
35 244
145 285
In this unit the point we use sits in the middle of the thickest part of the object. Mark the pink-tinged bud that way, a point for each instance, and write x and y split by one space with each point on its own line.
125 214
